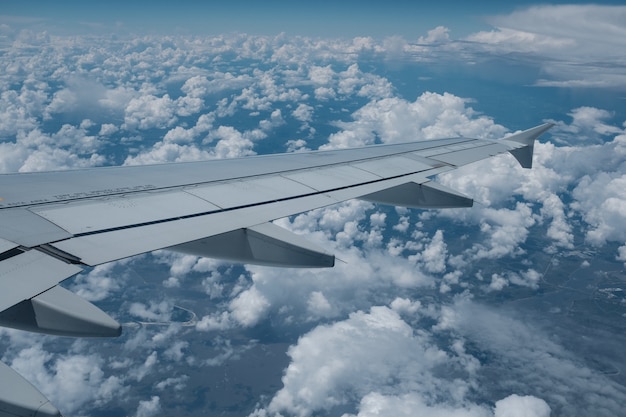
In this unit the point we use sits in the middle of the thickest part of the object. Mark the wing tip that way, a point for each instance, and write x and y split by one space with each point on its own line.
527 137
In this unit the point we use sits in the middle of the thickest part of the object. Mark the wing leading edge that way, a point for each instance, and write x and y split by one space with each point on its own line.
52 224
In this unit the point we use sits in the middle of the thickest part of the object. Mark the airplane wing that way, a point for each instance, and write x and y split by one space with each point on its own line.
52 224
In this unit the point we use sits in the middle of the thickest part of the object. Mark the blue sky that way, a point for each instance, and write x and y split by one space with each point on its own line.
310 18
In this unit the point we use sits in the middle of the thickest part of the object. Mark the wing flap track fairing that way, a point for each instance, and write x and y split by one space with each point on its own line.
428 195
264 244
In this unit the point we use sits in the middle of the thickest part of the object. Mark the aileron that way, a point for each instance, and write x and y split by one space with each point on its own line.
466 156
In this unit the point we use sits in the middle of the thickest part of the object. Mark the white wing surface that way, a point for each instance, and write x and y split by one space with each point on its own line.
54 223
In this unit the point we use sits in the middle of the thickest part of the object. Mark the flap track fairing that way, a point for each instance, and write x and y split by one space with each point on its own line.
429 195
264 244
60 312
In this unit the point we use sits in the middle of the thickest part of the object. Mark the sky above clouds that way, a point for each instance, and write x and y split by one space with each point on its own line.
321 18
513 307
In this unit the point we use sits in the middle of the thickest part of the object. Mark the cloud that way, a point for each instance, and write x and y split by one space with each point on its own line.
201 86
175 383
231 143
589 125
589 25
98 284
440 34
622 254
84 96
394 119
149 408
303 112
521 406
574 45
249 307
163 152
408 405
596 195
153 311
139 372
332 364
73 380
536 363
433 257
147 112
602 200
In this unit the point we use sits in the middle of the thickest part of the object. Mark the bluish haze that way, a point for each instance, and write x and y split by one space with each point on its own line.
514 307
320 18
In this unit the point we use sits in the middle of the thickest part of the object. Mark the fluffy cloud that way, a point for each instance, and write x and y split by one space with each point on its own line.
303 112
148 112
430 116
99 283
518 406
407 405
200 86
149 408
249 307
73 380
156 312
602 200
368 351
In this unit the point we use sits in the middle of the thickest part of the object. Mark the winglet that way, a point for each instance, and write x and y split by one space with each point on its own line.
524 153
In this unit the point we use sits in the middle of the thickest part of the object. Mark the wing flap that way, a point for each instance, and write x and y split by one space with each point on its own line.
6 246
25 228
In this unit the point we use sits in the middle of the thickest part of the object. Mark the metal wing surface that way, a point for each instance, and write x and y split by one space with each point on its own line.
54 223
